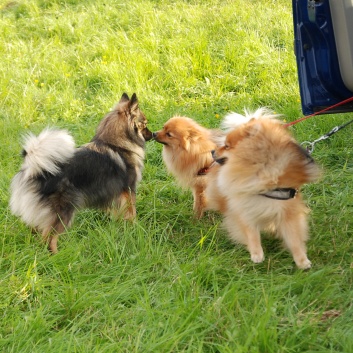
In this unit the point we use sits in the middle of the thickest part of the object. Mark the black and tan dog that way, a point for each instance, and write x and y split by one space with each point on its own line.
57 179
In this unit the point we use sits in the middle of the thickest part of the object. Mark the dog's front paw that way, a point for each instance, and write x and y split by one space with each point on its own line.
257 257
304 264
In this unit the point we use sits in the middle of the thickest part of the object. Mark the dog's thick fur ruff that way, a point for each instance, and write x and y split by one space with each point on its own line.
57 179
257 158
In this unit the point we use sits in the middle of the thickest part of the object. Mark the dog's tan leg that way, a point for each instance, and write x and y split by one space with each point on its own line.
53 243
130 213
245 235
51 239
199 200
294 232
51 234
46 235
254 245
124 205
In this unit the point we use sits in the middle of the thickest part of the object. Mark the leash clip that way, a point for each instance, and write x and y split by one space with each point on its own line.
309 146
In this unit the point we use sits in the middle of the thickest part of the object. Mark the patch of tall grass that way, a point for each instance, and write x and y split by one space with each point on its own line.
166 283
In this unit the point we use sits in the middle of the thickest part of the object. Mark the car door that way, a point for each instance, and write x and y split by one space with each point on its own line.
323 32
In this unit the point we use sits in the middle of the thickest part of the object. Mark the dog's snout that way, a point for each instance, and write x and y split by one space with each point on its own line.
147 134
221 161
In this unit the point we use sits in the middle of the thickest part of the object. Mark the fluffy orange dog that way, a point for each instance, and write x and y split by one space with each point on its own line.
256 183
187 154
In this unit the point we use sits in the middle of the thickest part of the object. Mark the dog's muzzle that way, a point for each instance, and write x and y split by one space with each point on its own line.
155 137
220 161
147 134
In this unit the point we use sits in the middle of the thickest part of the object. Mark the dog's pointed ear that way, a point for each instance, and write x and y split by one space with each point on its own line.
252 129
124 98
134 104
185 143
194 135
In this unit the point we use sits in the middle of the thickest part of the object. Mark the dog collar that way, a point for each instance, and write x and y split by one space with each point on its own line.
281 194
205 170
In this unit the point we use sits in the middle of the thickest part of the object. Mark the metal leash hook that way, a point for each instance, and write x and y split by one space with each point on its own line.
309 146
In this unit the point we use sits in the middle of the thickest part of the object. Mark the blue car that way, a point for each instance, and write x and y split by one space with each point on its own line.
323 31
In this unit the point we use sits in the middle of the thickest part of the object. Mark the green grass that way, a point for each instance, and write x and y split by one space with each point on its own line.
167 283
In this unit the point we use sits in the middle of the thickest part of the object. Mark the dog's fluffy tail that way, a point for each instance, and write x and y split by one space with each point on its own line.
234 120
45 152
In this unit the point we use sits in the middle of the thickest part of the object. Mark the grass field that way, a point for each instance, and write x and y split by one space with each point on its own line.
167 283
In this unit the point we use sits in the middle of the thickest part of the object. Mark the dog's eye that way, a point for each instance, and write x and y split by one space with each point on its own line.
168 134
226 147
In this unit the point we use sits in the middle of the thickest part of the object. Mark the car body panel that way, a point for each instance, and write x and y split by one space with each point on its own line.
323 31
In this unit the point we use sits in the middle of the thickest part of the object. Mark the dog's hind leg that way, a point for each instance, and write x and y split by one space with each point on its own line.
51 234
51 239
